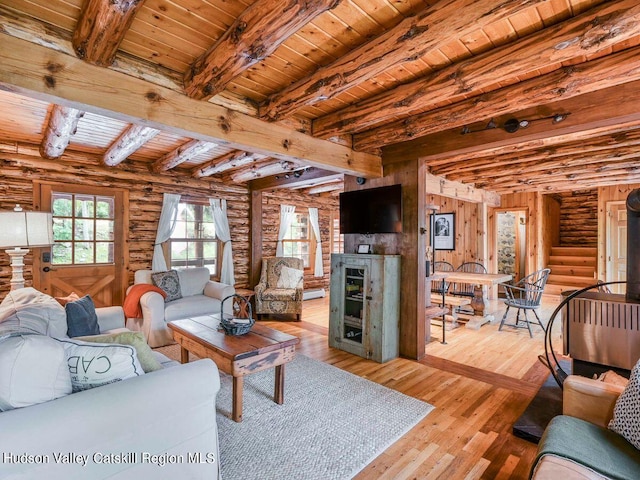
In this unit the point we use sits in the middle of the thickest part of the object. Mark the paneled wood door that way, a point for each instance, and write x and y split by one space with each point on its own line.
90 254
617 244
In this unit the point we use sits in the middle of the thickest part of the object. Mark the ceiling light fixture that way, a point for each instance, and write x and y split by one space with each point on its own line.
513 124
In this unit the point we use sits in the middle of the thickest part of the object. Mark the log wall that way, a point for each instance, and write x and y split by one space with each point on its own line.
579 218
21 165
271 201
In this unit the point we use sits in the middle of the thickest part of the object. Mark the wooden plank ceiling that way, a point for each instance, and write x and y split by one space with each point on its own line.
510 96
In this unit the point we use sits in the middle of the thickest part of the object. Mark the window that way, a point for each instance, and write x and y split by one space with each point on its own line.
337 238
193 242
83 229
299 240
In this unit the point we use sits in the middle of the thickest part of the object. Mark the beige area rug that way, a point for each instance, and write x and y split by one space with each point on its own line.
332 424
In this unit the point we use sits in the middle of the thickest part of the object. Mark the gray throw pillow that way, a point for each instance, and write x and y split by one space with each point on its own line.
626 413
81 317
169 282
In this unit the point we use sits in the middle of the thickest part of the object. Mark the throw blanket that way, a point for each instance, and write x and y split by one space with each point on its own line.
131 306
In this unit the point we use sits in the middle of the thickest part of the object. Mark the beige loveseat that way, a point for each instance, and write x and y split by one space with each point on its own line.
158 425
200 296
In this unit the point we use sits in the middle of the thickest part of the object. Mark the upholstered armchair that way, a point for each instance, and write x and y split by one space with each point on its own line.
280 287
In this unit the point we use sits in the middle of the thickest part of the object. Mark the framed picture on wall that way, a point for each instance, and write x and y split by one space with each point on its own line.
443 231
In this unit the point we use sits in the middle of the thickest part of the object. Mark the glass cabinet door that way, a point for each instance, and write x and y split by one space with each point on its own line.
353 327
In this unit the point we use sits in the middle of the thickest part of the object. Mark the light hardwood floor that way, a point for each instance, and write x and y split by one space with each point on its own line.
480 382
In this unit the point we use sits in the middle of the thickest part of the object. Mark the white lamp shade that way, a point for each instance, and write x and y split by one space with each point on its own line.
26 229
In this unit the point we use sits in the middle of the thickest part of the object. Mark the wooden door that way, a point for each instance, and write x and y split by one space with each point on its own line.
90 255
617 245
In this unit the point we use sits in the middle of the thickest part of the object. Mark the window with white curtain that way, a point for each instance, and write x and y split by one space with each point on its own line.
337 238
193 242
299 240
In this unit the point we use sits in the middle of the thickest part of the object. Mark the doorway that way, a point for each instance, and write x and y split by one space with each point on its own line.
616 247
511 244
89 253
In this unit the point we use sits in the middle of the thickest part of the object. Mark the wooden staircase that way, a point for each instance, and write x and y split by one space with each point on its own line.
571 268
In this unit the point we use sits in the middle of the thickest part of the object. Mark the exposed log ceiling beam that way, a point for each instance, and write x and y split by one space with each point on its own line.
101 27
451 189
128 142
231 160
593 163
565 83
42 73
254 35
62 125
307 177
606 145
183 153
263 168
595 31
409 40
329 187
35 32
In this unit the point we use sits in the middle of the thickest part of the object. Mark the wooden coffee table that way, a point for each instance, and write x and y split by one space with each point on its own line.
260 349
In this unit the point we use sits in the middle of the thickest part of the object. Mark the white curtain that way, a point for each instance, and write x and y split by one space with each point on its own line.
315 224
223 233
287 213
166 224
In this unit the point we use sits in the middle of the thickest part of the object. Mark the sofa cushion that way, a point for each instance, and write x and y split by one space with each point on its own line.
279 294
595 447
193 280
289 278
30 311
145 355
81 317
169 283
191 307
626 413
95 364
33 369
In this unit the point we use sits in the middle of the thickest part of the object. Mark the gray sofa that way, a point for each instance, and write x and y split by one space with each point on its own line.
200 296
160 425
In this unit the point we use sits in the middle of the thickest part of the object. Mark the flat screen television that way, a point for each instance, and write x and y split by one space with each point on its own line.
375 210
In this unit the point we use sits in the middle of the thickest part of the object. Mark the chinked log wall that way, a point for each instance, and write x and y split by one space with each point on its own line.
21 164
271 201
579 218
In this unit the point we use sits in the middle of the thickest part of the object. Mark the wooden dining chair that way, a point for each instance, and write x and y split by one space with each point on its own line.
438 287
526 294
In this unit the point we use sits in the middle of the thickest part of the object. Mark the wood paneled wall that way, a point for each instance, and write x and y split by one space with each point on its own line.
579 218
21 164
271 201
466 230
614 193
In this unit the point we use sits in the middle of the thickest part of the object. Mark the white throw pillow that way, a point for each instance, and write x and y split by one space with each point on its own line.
289 277
626 413
33 369
30 311
95 364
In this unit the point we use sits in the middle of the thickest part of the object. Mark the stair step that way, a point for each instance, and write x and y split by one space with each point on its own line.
571 280
572 260
575 251
579 270
557 289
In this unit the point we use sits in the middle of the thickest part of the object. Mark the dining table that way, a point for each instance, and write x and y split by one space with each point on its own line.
479 303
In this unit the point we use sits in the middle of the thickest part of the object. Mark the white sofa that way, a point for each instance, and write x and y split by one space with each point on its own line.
200 296
161 425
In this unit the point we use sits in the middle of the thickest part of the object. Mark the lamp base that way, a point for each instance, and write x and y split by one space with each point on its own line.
17 266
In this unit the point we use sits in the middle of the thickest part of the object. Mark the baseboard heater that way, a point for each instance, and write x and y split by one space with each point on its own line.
313 293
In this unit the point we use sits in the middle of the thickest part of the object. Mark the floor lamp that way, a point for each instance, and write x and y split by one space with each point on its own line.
20 231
